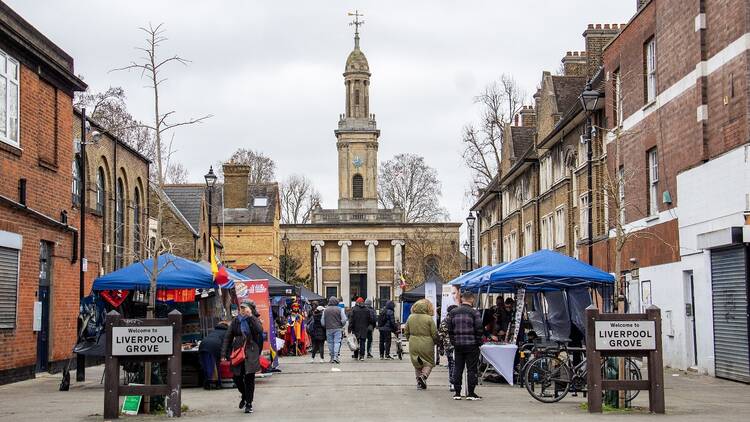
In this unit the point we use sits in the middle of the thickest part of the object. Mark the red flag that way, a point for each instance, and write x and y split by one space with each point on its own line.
221 277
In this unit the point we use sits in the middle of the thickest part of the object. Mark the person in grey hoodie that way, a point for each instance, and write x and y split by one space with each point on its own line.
333 319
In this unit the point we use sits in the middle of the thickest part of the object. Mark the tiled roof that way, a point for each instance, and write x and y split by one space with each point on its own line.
176 211
567 91
252 214
522 138
187 199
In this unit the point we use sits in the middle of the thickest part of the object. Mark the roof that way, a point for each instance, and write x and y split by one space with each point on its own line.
252 214
522 137
276 287
567 90
106 132
187 199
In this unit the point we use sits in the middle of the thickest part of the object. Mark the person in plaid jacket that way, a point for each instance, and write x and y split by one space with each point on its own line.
465 331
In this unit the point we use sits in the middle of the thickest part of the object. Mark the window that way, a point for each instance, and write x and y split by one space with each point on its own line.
560 227
76 188
357 186
137 224
356 97
528 239
621 193
547 232
100 191
546 173
384 295
513 245
9 262
260 202
653 181
618 98
119 224
9 82
332 291
494 252
650 69
506 249
584 216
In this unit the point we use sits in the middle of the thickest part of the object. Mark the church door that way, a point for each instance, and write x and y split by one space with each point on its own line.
358 283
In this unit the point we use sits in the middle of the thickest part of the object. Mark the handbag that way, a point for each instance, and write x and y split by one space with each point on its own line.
352 342
238 355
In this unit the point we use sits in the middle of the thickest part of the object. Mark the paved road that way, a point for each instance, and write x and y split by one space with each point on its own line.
377 391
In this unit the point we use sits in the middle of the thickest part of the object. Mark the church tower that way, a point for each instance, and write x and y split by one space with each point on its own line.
357 134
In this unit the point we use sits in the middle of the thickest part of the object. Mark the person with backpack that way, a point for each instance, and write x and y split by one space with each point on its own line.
317 332
386 327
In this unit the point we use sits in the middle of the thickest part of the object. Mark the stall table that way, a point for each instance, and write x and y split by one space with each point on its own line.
501 357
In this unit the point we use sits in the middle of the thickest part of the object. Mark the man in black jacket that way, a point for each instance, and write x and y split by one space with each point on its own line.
465 331
359 325
386 326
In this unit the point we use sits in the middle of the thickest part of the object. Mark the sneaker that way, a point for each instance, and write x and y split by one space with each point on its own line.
249 408
321 360
361 358
457 396
313 360
382 358
473 397
369 356
242 403
336 361
389 357
421 382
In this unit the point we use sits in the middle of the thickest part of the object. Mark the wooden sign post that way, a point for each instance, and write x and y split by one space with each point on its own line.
624 335
140 340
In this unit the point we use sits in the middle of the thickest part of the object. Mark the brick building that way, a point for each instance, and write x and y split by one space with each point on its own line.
38 228
677 138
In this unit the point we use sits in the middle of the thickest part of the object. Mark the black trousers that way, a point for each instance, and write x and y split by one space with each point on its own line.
466 357
385 343
317 346
362 347
246 386
369 341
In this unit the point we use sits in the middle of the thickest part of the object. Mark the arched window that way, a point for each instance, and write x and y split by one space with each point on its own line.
431 266
137 224
119 223
76 188
100 191
357 186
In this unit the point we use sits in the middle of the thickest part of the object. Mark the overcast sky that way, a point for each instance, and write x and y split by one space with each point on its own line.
270 71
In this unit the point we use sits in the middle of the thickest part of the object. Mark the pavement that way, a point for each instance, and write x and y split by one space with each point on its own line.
373 390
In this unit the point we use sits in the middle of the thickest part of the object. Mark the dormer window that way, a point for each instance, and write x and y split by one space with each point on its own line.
261 201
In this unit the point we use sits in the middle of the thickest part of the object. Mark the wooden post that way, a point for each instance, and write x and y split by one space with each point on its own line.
655 365
593 362
111 371
174 366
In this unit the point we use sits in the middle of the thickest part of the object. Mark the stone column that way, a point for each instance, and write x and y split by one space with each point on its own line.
344 289
318 266
398 269
372 283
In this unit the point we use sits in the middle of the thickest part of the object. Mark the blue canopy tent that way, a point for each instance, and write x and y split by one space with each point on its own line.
463 279
174 273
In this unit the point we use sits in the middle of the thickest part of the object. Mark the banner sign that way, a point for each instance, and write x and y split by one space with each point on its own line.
625 335
520 304
257 291
430 293
448 298
134 341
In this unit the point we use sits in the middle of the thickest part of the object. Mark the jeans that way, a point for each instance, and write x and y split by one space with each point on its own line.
334 342
317 346
246 386
468 357
385 343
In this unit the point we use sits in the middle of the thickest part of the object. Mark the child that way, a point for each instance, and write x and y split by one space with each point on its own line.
445 347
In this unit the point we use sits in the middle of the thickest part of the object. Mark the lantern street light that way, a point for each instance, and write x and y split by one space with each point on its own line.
210 178
470 223
589 101
466 254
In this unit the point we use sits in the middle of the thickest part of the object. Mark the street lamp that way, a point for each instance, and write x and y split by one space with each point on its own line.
210 182
589 101
466 254
285 241
470 224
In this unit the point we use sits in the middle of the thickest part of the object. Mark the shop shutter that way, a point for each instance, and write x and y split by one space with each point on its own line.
8 286
729 286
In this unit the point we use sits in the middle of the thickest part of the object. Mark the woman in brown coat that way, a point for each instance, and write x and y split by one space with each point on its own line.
245 331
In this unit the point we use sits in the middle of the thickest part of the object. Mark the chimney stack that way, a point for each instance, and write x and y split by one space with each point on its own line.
597 37
235 185
575 63
639 4
528 116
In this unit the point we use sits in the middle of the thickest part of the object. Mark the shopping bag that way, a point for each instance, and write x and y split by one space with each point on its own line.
353 343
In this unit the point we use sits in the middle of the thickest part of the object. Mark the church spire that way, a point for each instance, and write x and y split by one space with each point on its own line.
356 23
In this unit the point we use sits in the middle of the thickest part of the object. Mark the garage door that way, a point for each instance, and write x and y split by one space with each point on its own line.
729 285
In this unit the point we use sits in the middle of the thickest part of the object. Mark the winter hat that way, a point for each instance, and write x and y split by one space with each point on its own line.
368 302
360 300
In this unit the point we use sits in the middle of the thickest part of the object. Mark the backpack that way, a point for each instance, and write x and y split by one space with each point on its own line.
382 318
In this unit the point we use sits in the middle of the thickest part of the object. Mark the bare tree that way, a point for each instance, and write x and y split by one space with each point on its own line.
431 251
298 198
499 102
262 167
176 174
406 181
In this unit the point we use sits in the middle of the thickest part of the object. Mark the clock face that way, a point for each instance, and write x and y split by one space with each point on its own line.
357 162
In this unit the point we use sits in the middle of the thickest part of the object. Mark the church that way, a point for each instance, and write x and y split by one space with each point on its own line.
358 249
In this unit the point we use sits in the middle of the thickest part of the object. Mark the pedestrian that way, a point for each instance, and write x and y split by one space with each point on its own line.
210 355
333 320
359 325
317 332
371 327
446 348
421 332
246 331
465 331
386 327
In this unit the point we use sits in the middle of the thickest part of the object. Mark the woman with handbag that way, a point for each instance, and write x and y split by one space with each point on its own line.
242 346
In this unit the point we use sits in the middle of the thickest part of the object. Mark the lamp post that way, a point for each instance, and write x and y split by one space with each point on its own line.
95 137
589 100
466 255
470 224
315 271
210 182
285 241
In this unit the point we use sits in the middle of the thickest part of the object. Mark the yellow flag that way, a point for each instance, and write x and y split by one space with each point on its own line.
214 265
